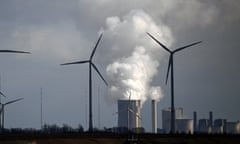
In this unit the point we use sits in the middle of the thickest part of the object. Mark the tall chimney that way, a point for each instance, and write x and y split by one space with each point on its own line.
154 116
210 118
195 121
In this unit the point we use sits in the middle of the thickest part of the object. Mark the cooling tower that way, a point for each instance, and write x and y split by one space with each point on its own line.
129 113
184 126
166 118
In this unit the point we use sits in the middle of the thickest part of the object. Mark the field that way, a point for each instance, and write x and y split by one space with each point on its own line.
110 138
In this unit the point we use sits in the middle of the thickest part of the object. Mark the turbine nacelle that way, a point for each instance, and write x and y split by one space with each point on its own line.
170 63
170 66
91 64
90 60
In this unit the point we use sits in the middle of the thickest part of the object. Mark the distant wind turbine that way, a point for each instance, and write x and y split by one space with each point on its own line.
170 65
91 64
3 107
9 51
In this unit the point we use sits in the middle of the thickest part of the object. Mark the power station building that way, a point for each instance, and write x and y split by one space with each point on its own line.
233 127
183 125
218 126
129 114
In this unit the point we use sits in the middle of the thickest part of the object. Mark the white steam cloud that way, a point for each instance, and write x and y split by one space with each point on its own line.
137 57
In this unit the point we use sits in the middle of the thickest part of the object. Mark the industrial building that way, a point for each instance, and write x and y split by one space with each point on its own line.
233 127
129 114
183 125
218 126
203 126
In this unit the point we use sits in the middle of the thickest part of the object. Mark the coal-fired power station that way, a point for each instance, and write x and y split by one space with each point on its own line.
129 113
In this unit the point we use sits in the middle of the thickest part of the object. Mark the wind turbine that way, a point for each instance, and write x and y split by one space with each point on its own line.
3 106
170 66
9 51
91 64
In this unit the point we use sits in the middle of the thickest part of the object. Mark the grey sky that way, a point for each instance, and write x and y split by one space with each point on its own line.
57 31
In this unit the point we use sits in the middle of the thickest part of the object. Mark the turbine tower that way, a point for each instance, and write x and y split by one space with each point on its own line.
91 64
3 106
1 94
170 66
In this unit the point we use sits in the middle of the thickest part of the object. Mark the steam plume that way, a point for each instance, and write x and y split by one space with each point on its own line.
135 58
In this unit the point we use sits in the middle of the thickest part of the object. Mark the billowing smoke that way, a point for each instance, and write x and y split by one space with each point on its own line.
136 58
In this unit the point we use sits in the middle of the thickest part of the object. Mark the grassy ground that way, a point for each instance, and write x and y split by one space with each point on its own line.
102 138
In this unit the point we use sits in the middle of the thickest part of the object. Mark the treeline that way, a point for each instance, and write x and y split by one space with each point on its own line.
65 128
47 129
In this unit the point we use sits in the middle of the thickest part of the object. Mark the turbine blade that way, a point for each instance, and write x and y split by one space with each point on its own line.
159 43
115 113
131 110
99 73
130 95
93 52
129 100
2 94
138 116
181 48
13 51
13 101
120 111
134 113
169 66
77 62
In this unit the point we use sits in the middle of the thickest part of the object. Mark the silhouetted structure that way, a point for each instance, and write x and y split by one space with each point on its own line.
3 107
91 64
8 51
154 116
183 125
170 65
195 122
1 94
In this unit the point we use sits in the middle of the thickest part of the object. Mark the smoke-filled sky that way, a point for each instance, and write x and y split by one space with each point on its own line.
58 31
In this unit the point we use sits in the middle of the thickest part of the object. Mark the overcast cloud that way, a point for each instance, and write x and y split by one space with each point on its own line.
59 31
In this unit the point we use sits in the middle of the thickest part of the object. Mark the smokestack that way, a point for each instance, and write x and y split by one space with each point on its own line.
195 121
210 118
154 116
138 114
